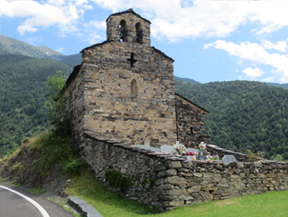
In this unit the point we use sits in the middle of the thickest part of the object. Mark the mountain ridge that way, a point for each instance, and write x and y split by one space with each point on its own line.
14 46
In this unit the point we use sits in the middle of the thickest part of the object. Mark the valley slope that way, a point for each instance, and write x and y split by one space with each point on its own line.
22 96
243 115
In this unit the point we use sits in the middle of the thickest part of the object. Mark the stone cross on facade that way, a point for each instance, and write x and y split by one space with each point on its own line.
132 60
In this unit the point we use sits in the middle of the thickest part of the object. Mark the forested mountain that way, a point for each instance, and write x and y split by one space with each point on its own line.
73 60
187 79
285 86
54 55
22 95
13 46
243 115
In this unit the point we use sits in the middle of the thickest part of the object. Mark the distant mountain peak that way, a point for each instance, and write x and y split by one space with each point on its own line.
14 46
48 51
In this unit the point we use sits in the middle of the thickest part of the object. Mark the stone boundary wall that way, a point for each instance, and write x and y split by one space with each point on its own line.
214 149
165 182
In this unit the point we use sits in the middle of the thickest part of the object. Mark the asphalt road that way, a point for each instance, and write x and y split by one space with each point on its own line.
14 205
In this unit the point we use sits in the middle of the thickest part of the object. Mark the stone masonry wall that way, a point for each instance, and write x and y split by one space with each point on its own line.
76 104
189 119
177 182
111 110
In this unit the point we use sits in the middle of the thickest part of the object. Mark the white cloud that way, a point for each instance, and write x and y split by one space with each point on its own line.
61 13
60 49
97 24
32 40
173 19
253 72
279 45
177 19
254 53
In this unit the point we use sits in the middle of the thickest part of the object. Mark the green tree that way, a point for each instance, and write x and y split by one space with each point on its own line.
56 105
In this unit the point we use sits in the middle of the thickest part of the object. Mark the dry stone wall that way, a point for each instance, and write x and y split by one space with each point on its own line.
165 182
216 150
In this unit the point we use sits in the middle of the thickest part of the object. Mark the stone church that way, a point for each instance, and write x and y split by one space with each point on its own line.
123 91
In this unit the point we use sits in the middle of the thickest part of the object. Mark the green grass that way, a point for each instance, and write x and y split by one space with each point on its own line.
107 203
270 204
110 204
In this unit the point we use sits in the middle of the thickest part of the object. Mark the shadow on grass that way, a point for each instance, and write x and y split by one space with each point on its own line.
107 203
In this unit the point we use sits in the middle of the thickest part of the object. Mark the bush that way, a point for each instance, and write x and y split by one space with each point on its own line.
75 167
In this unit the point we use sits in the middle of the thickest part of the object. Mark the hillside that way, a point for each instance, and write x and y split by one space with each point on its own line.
13 46
52 54
243 115
22 96
187 79
73 60
285 86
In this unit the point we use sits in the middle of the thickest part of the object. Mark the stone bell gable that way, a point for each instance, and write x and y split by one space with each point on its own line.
124 89
128 26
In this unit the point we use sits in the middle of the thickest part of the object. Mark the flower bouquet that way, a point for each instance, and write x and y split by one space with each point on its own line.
202 149
189 153
180 149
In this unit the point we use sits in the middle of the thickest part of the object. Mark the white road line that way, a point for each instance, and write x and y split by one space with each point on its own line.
37 205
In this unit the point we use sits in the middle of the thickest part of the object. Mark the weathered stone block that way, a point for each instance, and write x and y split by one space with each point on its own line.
170 172
185 174
194 189
173 164
174 203
176 180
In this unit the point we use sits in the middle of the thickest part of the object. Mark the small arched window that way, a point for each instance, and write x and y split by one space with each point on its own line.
139 32
122 30
134 87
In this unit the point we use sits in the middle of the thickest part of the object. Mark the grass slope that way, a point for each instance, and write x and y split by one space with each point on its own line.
107 203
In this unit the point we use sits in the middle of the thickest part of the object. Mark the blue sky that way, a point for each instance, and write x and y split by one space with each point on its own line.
210 40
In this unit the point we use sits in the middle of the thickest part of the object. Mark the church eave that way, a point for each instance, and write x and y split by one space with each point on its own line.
71 77
192 103
163 54
96 45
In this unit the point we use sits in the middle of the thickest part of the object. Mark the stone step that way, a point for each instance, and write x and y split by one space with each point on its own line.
83 207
